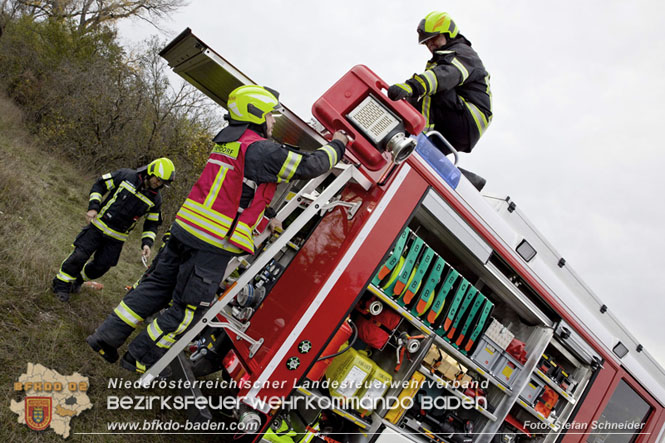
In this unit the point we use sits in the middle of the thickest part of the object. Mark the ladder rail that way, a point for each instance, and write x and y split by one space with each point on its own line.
348 173
282 215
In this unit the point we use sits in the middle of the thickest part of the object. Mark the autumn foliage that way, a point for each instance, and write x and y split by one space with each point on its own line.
87 97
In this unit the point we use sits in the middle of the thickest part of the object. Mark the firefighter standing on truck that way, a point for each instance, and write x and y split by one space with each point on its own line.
453 93
131 194
215 223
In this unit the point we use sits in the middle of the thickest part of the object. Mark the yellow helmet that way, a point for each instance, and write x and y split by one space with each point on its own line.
434 24
251 103
163 169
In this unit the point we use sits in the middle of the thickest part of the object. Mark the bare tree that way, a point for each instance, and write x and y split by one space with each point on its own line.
166 101
89 15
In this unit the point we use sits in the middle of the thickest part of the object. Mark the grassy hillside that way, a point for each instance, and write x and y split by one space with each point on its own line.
43 199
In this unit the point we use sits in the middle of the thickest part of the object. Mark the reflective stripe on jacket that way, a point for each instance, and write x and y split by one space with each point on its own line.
211 207
456 67
251 168
128 199
251 217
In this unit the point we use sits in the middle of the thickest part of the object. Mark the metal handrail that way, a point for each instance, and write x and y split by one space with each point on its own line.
446 143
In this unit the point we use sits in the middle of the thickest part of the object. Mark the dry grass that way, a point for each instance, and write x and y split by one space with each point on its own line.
43 198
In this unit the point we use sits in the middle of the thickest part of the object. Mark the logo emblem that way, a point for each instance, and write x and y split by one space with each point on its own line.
38 412
292 363
305 346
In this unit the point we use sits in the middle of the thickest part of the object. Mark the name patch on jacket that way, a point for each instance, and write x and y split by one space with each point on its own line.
230 149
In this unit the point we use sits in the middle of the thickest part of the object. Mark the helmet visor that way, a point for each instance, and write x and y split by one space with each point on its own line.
424 36
278 109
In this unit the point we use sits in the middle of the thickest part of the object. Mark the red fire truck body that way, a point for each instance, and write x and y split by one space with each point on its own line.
575 350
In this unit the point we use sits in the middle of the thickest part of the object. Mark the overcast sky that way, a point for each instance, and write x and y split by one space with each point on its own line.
577 93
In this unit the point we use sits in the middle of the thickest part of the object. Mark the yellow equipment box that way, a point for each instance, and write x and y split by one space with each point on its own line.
396 413
374 388
348 372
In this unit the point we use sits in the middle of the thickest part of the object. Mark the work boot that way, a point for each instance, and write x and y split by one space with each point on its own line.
60 294
63 296
477 181
131 364
76 286
109 353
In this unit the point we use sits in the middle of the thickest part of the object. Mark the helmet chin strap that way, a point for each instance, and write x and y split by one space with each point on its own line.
146 183
261 129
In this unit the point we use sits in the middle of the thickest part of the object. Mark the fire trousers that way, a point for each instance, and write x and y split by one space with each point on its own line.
184 281
454 121
76 269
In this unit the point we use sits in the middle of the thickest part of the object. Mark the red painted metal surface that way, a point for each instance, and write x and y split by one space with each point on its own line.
341 336
656 424
599 396
347 93
315 262
593 402
650 431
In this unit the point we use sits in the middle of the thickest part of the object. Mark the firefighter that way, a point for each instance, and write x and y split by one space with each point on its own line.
214 224
131 194
453 93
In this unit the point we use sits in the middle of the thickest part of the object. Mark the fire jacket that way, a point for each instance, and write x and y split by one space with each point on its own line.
127 201
238 183
456 66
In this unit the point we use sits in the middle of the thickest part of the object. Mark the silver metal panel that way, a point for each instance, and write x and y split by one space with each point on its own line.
581 302
536 344
513 296
213 75
576 344
454 223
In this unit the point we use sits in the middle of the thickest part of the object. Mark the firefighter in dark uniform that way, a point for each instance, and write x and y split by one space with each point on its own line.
215 223
131 194
454 91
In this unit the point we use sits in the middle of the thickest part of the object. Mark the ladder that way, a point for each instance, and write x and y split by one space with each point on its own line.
317 203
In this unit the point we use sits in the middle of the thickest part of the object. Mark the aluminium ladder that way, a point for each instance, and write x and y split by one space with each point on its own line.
317 203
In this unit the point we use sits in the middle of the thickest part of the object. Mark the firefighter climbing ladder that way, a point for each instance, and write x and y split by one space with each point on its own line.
317 203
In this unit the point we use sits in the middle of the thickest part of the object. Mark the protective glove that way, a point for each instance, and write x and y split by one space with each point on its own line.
408 89
398 91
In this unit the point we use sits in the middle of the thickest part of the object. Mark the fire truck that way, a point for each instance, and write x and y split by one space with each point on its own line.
400 304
